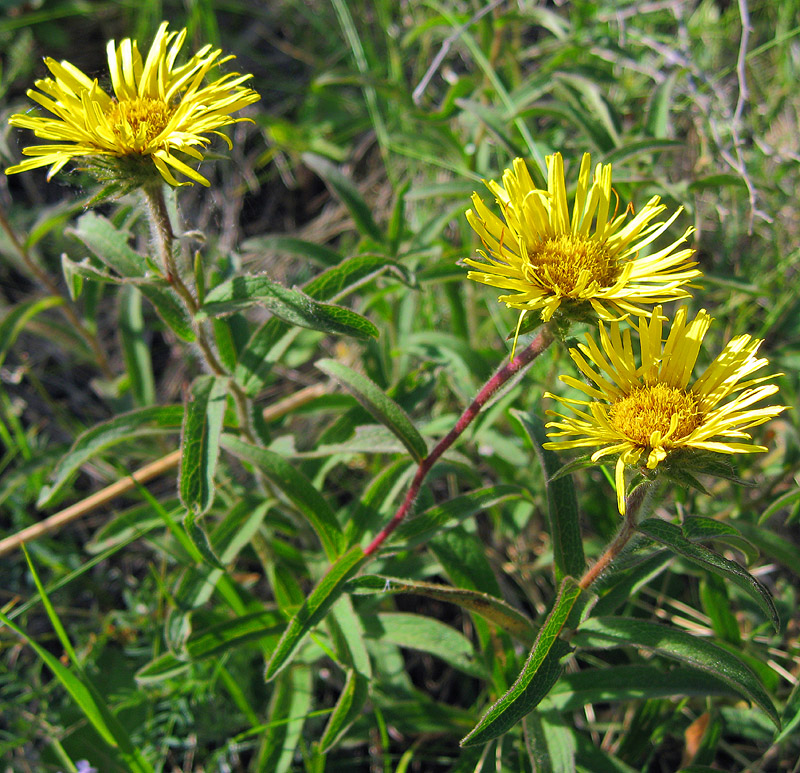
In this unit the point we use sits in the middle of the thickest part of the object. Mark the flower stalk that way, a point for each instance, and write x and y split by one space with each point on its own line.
164 237
502 375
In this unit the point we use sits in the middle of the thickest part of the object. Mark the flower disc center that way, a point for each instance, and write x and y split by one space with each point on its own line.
562 260
137 122
653 408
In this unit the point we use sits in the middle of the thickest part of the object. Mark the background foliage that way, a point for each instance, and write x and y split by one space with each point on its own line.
377 121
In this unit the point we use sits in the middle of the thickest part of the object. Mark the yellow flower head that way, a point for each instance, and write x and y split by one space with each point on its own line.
649 410
547 258
158 108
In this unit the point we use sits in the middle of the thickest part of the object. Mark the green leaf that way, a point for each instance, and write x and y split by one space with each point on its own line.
347 709
562 503
291 306
169 309
319 254
697 528
385 410
202 426
264 627
297 488
487 606
289 705
80 688
344 189
428 635
419 529
314 608
127 426
612 632
110 245
14 322
629 683
135 348
671 535
540 672
268 344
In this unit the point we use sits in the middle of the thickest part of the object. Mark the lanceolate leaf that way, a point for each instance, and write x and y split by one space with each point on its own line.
269 342
314 608
200 442
562 503
297 488
490 607
540 672
347 709
291 306
144 421
612 632
385 410
671 535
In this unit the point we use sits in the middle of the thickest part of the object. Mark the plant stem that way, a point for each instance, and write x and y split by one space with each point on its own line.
501 376
52 288
164 237
633 505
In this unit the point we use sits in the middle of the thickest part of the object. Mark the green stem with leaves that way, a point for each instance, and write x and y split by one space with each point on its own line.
164 237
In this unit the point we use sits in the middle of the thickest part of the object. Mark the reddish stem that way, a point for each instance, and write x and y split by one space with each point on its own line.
522 360
632 507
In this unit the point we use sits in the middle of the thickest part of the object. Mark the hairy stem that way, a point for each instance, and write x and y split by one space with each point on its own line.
501 376
633 505
163 236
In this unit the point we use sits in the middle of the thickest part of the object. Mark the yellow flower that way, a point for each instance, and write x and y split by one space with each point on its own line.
648 409
548 259
158 108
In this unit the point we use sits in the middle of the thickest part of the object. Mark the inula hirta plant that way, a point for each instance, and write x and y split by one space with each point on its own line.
160 111
590 260
645 408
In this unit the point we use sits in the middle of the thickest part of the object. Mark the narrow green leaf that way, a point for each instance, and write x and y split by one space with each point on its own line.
291 306
297 488
487 606
289 705
127 426
344 189
264 626
540 672
314 608
385 410
347 709
449 514
562 503
612 632
14 322
324 256
202 426
671 535
428 635
135 348
80 688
